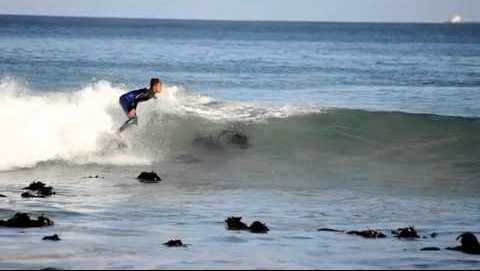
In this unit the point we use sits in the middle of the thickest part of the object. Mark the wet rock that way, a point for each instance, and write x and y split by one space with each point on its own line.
369 234
175 243
235 224
41 190
258 227
430 249
54 238
234 138
22 220
329 230
406 233
469 244
35 186
239 140
434 235
149 177
2 196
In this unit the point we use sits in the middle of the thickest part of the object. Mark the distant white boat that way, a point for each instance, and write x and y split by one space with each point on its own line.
456 19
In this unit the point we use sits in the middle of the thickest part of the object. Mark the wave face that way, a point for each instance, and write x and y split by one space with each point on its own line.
80 128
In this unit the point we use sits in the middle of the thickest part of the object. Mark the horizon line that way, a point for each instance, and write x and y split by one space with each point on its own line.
226 20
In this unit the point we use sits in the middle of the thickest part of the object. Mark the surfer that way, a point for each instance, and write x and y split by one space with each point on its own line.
130 100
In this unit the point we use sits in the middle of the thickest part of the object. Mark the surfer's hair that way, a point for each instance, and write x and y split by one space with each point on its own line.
154 82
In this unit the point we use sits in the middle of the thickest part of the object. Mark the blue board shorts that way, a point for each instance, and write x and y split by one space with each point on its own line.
127 103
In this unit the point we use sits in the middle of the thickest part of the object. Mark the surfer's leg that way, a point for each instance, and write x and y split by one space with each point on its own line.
125 105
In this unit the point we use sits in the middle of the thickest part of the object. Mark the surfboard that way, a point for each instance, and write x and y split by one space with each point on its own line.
127 124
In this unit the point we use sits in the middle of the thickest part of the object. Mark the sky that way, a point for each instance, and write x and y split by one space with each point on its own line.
291 10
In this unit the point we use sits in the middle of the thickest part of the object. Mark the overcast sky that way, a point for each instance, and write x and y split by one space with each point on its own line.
310 10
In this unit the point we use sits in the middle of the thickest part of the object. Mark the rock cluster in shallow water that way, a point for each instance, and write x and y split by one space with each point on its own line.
22 220
38 190
236 224
406 233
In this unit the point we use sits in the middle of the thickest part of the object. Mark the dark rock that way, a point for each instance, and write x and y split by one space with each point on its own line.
54 238
41 190
239 139
258 227
430 249
95 177
22 220
329 230
235 224
149 177
234 138
35 186
434 235
469 243
369 234
407 233
2 196
175 243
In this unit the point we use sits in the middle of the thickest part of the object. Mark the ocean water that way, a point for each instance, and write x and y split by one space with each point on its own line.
349 126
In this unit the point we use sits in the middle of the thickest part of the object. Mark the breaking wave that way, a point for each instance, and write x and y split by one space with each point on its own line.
80 128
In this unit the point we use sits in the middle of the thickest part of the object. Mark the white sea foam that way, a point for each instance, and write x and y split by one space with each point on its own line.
79 126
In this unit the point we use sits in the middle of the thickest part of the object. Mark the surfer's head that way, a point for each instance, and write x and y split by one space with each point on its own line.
156 85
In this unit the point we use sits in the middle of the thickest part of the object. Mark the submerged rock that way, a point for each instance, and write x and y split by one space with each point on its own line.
430 249
175 243
235 224
369 234
54 238
258 227
235 138
149 177
329 230
406 233
41 190
95 177
469 244
22 220
239 139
